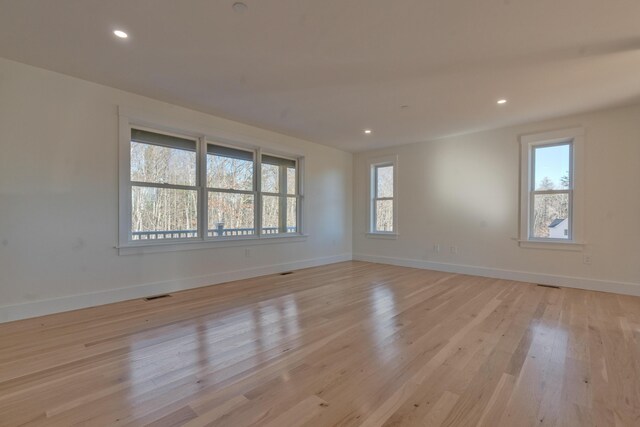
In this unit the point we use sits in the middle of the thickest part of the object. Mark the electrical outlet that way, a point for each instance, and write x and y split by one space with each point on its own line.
247 253
586 259
454 249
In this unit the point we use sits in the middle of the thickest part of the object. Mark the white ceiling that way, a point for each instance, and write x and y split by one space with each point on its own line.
324 70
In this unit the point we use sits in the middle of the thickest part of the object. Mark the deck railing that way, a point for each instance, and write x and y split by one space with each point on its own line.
186 234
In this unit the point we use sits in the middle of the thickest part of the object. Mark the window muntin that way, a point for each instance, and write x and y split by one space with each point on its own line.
279 195
383 198
164 192
551 191
186 189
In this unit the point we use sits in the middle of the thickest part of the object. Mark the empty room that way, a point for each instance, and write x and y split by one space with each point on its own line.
320 213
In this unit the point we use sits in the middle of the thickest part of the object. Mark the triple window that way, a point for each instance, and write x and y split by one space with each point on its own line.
188 188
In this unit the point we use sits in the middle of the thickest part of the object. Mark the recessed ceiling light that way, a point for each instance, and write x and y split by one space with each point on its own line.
502 101
239 7
121 34
367 131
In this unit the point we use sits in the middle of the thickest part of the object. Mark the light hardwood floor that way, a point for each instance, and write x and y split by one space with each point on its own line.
346 344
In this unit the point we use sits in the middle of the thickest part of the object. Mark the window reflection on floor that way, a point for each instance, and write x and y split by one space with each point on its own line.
383 319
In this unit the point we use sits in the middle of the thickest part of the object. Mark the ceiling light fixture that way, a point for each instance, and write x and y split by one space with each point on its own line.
502 101
121 34
239 7
367 131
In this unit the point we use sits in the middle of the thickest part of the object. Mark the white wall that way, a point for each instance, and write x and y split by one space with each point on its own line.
59 212
464 192
59 200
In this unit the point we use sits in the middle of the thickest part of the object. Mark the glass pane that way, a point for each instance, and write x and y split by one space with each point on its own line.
552 167
230 214
551 216
384 215
291 180
385 181
292 215
229 173
270 214
163 213
270 178
162 165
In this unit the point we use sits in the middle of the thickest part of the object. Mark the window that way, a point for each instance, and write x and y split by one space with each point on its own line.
179 188
230 192
383 217
279 195
164 192
551 188
551 193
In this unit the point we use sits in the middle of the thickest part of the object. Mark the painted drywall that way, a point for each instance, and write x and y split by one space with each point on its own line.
463 192
59 200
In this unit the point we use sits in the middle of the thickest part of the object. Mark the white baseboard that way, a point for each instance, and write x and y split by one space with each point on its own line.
625 288
73 302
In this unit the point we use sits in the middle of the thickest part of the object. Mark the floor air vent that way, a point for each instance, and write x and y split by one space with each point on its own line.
157 297
286 272
549 286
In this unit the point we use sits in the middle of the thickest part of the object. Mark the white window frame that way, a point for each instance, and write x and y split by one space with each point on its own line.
127 246
282 194
205 211
373 166
195 187
528 143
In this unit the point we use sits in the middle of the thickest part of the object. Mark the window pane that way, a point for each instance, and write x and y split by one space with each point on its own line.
163 213
162 165
291 180
385 181
552 167
270 214
230 214
229 173
384 215
270 178
292 215
551 216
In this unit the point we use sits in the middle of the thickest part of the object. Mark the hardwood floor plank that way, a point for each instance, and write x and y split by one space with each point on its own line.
441 409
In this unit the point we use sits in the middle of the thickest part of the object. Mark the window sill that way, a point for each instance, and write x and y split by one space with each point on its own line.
550 245
388 236
152 248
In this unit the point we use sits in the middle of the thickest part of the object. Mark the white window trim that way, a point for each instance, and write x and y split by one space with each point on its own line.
391 160
527 144
132 119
